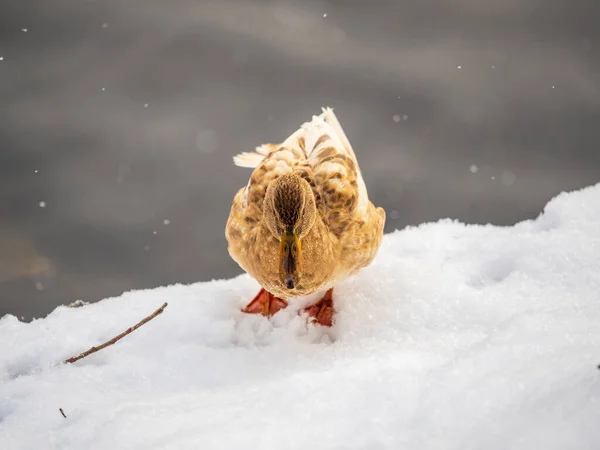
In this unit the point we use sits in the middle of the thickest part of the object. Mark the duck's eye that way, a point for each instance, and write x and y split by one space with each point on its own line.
286 249
294 249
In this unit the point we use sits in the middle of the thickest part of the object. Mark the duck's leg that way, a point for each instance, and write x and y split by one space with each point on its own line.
322 311
265 303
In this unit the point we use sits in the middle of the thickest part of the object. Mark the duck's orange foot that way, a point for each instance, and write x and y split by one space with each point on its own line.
265 303
322 312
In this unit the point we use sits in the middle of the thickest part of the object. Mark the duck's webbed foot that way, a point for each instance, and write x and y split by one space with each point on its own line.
265 303
322 312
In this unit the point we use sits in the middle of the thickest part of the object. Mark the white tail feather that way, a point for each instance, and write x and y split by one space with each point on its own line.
248 159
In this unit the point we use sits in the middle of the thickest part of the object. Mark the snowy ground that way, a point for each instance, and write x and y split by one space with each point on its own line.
457 337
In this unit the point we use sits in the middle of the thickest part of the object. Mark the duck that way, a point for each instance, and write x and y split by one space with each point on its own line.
304 222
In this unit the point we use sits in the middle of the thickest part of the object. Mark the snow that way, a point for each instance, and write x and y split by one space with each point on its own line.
456 337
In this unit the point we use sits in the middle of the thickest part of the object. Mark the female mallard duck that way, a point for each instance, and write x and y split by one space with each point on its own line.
304 222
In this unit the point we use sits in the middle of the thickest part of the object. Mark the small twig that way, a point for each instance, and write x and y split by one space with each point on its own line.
116 338
62 412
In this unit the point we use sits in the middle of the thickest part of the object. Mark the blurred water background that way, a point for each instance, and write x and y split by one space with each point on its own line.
119 120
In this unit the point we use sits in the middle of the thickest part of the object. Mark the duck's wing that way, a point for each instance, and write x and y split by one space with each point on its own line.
349 215
334 165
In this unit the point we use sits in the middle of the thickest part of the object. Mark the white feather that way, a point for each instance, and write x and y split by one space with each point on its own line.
248 159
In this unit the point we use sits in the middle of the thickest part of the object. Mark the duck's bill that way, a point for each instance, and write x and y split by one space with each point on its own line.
290 255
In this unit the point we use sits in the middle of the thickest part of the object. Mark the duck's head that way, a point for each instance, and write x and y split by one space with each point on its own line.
289 212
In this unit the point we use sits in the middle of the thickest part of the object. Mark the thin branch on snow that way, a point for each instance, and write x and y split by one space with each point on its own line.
116 338
62 412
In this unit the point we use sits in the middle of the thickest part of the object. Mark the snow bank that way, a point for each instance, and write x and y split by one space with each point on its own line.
457 337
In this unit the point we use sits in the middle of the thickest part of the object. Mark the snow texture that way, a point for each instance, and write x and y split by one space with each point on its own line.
456 337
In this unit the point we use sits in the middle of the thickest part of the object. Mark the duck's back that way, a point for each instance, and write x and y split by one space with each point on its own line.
321 153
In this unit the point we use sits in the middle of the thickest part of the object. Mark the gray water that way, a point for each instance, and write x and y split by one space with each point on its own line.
118 122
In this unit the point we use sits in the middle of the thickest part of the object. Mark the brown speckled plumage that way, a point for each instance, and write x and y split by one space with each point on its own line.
316 164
